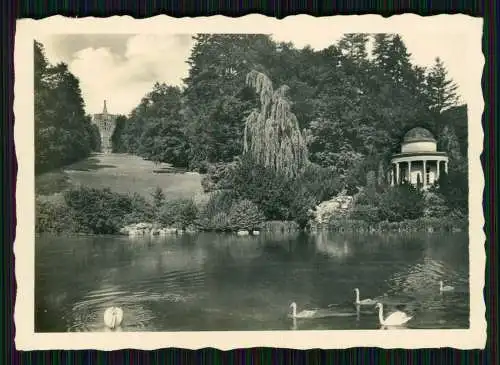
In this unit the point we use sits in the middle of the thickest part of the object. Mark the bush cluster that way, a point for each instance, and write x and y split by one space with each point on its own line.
447 223
392 204
226 212
54 217
278 197
218 176
101 211
92 211
256 195
180 213
98 211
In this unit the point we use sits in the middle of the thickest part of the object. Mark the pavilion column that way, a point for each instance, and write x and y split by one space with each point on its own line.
438 163
408 178
446 166
397 173
392 176
424 175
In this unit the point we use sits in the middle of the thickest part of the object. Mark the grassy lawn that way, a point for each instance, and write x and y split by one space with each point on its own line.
121 173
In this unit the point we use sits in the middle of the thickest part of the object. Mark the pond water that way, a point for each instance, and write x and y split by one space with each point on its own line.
224 282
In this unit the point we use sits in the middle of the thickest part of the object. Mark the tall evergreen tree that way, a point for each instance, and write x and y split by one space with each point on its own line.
392 57
381 51
441 89
354 46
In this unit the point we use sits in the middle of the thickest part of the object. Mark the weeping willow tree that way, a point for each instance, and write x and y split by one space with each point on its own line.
272 135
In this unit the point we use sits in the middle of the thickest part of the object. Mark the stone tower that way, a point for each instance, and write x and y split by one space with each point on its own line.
106 124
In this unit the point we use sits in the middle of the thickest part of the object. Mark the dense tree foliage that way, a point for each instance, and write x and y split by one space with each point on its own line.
272 133
118 141
354 105
63 133
350 106
155 129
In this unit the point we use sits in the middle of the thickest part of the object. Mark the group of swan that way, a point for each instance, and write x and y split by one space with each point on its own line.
113 316
395 319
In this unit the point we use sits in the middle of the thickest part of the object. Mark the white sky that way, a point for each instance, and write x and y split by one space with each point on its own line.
123 68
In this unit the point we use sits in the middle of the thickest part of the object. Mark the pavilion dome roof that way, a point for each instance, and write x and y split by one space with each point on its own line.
418 134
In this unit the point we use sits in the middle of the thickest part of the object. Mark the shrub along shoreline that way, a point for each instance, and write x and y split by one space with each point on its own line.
91 211
429 225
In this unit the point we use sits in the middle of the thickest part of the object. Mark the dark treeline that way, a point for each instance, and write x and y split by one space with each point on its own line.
355 107
63 133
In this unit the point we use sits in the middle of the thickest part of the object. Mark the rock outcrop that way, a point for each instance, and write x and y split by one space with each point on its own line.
336 207
149 229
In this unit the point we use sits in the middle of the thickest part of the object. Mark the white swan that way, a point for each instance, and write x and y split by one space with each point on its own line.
302 314
318 313
394 319
113 317
445 288
364 301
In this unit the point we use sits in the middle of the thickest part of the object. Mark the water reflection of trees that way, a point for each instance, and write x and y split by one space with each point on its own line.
228 248
107 262
423 275
419 281
246 271
332 246
226 271
451 249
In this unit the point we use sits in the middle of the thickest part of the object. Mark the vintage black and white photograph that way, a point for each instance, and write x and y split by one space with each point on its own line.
253 181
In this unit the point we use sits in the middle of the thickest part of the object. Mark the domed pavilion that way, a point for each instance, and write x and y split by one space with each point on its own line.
419 160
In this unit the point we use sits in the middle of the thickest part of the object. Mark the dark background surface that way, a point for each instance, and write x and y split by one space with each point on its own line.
11 10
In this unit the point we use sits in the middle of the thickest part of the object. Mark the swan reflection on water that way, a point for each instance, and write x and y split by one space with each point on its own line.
319 313
366 301
395 320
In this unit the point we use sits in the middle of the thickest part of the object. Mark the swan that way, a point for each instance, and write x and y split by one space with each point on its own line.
364 301
445 288
113 317
394 319
318 313
302 314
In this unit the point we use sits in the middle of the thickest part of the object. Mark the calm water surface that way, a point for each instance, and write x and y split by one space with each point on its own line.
224 282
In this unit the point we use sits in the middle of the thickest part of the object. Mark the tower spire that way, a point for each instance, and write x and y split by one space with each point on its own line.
105 109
